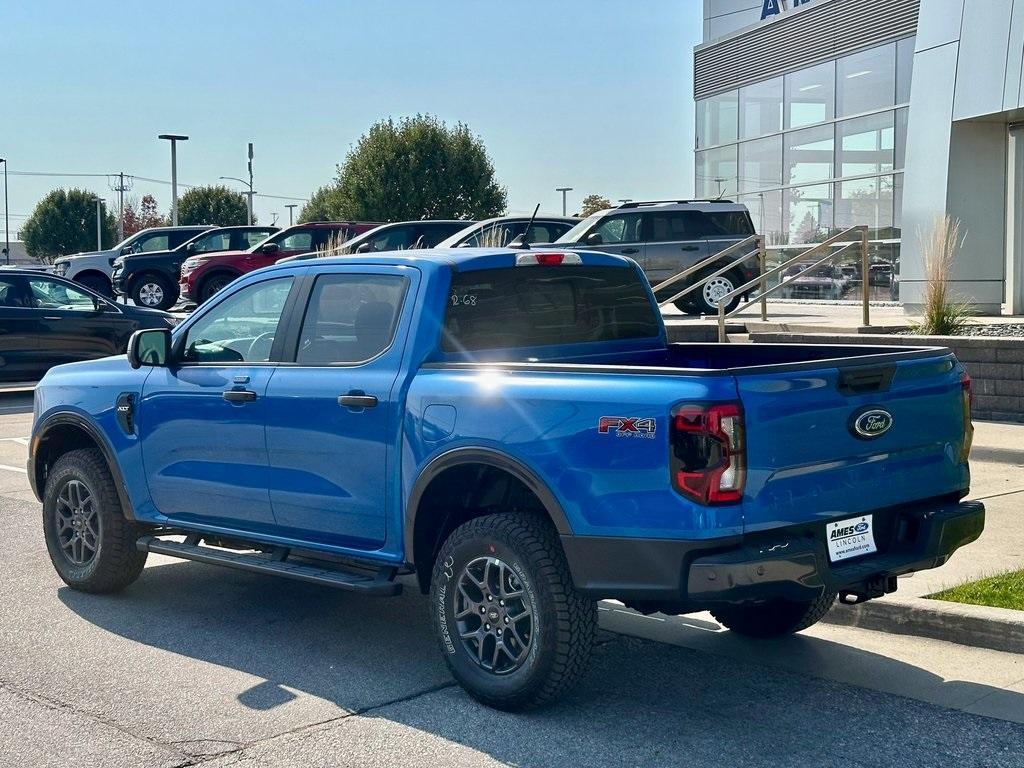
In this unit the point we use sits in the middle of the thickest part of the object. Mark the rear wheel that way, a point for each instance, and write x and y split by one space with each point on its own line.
90 542
212 285
512 628
153 291
97 284
774 618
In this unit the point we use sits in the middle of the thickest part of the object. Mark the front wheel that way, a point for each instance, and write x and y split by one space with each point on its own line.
153 291
91 544
212 285
775 617
97 284
513 630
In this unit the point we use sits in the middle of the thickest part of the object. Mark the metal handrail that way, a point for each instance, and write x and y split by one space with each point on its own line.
703 281
862 241
703 263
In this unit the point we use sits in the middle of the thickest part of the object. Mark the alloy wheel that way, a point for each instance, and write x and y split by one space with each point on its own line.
717 289
494 615
78 524
151 294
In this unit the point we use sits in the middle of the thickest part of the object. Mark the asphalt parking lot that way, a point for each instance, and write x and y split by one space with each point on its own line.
195 665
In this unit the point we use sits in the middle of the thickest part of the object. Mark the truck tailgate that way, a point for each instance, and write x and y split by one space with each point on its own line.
806 461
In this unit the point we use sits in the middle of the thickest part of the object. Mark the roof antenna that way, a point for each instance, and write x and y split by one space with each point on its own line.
523 241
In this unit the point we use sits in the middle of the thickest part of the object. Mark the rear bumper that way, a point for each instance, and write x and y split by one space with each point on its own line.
789 563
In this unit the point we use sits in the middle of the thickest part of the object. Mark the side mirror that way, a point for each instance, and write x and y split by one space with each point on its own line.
191 247
150 347
364 248
270 248
594 238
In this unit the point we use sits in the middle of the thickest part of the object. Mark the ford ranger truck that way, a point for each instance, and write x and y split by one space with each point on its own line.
510 431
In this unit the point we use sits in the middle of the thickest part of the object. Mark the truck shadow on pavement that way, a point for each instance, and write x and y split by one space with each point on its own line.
642 702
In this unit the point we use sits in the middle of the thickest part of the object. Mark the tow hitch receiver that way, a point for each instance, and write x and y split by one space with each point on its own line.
876 587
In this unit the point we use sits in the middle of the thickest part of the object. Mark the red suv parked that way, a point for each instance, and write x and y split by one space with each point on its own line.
204 275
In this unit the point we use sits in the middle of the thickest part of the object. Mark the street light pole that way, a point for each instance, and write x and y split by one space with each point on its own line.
248 195
174 139
250 184
563 190
291 210
7 219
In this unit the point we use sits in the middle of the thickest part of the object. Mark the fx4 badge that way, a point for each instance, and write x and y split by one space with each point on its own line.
624 426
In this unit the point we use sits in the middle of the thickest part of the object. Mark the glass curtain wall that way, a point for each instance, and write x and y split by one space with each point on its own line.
816 151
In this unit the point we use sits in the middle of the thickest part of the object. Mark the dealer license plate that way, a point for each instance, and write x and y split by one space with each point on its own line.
850 538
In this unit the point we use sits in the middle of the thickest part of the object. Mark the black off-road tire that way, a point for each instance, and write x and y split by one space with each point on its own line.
562 638
116 562
774 618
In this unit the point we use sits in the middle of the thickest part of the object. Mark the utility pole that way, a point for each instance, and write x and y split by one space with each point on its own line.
99 221
120 186
563 190
291 210
174 139
274 222
7 219
248 194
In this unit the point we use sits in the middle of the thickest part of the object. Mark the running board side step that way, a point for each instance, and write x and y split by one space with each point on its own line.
276 564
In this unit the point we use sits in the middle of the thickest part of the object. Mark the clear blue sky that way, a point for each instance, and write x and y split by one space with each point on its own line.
592 94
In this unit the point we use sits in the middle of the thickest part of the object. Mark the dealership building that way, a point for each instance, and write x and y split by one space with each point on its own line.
826 114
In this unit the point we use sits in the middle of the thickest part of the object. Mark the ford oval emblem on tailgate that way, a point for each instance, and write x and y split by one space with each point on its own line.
869 424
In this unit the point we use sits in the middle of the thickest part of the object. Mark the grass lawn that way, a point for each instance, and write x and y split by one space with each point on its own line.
1003 591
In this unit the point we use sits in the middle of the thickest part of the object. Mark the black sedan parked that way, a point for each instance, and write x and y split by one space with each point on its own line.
151 279
46 320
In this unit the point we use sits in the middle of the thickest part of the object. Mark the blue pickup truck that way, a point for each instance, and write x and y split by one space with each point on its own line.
511 428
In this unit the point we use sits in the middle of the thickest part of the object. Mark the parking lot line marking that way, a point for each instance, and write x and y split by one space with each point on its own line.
18 440
14 469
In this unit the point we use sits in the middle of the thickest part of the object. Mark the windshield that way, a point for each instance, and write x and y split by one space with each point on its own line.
543 306
576 232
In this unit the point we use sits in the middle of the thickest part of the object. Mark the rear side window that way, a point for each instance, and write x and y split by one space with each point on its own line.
728 224
670 226
541 306
350 318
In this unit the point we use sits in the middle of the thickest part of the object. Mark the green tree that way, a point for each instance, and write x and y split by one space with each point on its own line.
212 205
64 222
417 168
323 205
593 204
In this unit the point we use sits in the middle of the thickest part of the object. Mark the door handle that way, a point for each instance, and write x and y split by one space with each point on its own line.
48 317
357 399
689 248
239 396
630 250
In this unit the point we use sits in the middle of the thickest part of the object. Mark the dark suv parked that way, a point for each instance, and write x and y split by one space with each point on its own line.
666 236
151 279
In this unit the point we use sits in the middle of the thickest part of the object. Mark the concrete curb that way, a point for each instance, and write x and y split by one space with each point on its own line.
999 629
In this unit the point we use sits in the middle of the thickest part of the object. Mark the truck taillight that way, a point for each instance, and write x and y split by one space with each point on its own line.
709 461
966 398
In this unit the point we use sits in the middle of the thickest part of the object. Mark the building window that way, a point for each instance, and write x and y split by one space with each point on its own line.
809 155
766 213
761 108
809 213
866 145
901 137
866 201
904 69
716 172
760 164
811 95
866 81
717 119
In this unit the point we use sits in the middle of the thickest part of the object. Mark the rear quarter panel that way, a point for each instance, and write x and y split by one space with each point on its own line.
607 484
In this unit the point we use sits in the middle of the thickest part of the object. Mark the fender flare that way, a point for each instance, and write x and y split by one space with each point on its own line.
489 457
69 418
